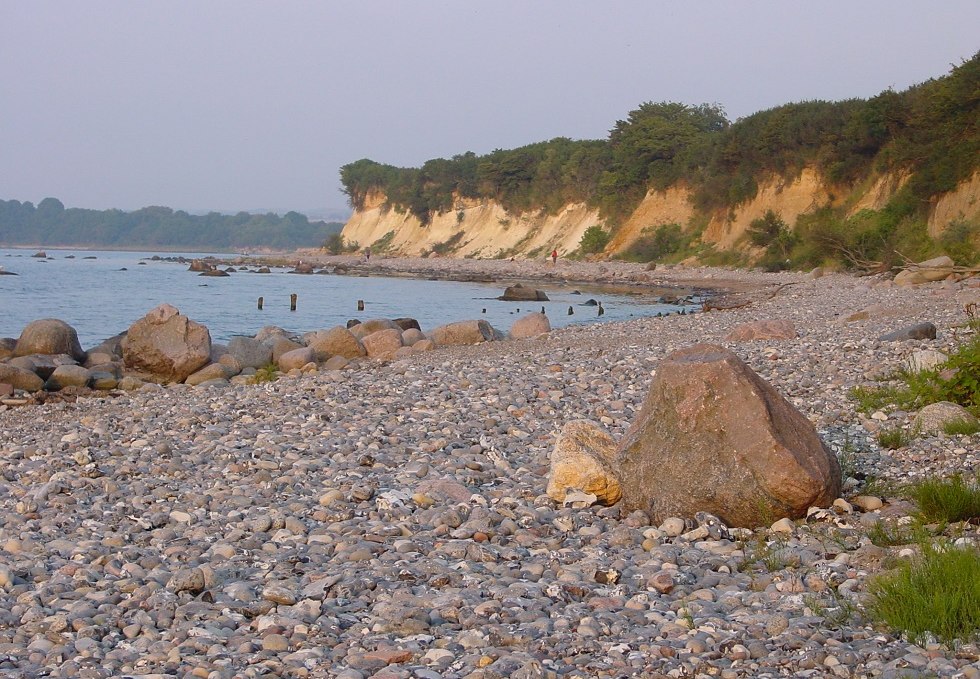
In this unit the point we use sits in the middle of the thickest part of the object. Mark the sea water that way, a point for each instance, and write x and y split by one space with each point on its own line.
101 294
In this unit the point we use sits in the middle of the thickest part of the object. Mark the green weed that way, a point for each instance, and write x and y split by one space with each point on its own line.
937 594
961 428
947 500
836 613
267 373
884 534
893 439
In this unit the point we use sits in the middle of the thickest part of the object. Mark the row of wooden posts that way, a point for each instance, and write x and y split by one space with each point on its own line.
293 298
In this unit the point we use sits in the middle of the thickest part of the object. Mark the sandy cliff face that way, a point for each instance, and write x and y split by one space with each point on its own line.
672 206
788 198
485 229
963 203
477 229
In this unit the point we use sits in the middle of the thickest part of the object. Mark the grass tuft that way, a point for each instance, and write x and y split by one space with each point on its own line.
884 534
937 594
267 373
947 500
893 439
961 428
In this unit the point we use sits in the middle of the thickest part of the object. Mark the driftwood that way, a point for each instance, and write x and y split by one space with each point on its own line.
909 265
721 304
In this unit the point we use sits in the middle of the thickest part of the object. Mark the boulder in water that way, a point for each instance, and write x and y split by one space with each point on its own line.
519 293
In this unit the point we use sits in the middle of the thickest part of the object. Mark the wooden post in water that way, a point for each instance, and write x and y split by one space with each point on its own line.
360 305
292 301
601 310
261 301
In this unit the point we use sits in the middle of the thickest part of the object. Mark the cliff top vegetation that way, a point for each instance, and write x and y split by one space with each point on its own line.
931 132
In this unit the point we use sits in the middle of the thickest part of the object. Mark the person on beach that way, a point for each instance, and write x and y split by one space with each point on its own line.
554 256
367 254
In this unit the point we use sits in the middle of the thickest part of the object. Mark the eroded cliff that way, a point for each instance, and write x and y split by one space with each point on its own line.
484 229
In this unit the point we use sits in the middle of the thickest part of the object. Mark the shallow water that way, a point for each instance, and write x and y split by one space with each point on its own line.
102 293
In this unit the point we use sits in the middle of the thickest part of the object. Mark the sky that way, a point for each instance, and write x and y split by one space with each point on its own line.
243 105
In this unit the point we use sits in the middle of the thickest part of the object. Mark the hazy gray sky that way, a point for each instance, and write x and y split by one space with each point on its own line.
241 105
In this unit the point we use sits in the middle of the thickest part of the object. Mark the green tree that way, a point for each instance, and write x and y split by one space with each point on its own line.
594 240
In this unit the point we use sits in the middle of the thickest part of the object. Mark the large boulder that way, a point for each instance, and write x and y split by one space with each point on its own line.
270 333
250 352
462 332
212 371
365 328
49 336
7 347
167 345
407 323
583 459
762 330
519 293
25 380
283 345
713 436
295 359
384 343
411 336
68 376
337 341
530 325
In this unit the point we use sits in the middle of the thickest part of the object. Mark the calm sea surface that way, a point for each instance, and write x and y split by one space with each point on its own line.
102 293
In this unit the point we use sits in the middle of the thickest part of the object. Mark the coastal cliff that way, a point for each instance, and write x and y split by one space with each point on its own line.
485 229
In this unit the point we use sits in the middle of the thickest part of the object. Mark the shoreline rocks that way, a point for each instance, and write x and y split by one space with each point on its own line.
394 521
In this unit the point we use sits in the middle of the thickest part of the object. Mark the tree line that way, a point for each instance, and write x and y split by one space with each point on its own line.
930 130
50 223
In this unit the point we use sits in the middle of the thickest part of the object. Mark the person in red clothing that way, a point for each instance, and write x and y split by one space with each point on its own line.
554 256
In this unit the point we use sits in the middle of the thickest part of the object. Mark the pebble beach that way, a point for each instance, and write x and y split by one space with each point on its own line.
390 520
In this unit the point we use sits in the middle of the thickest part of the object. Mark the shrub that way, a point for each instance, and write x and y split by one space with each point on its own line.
267 373
448 245
937 594
658 243
961 241
594 240
383 244
336 245
956 380
773 234
947 500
